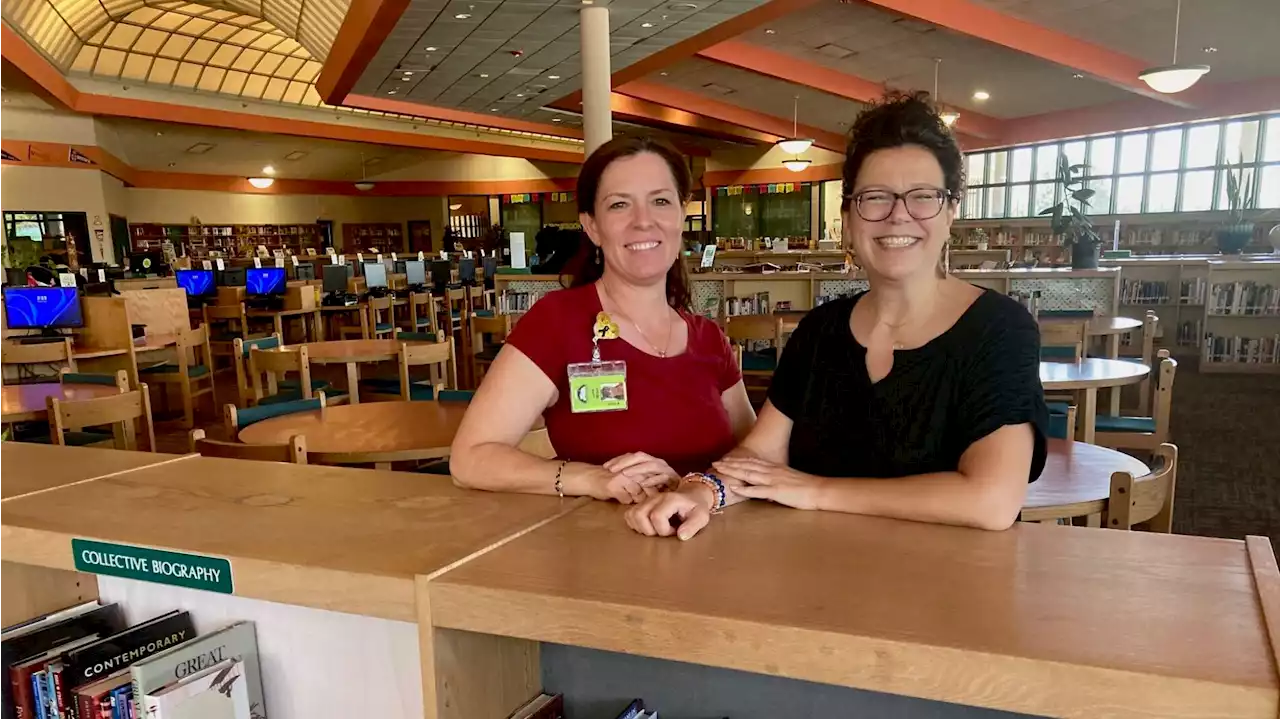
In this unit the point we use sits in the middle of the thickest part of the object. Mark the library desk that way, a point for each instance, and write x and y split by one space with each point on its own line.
28 467
379 432
151 343
331 311
1085 377
1045 620
352 353
1076 481
278 317
29 402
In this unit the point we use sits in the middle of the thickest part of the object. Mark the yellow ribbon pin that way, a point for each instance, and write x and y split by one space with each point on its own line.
605 328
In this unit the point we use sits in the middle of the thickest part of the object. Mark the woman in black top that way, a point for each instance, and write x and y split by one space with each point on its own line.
919 399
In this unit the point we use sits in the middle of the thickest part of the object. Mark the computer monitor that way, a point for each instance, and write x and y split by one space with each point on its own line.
147 263
335 278
440 274
467 271
390 264
232 277
265 281
415 272
375 275
197 283
490 265
304 271
42 308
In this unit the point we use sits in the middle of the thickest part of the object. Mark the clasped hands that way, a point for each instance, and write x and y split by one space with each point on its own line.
686 511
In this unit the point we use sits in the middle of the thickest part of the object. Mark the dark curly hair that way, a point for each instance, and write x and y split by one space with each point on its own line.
897 120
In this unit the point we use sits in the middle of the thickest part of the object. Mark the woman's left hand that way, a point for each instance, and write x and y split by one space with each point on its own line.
774 482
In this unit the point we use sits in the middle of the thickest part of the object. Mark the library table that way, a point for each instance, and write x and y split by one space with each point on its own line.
28 467
278 316
1085 377
1039 619
30 402
150 343
1076 481
352 353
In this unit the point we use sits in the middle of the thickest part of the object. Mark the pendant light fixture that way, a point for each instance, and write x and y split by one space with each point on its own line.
795 145
948 117
363 185
262 183
1173 78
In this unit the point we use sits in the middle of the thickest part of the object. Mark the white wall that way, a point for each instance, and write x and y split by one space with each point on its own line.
22 123
56 189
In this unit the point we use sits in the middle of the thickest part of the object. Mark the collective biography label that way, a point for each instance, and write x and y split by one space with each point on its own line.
193 571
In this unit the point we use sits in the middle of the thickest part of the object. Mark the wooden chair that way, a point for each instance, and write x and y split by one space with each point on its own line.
435 352
480 300
194 367
242 348
237 419
483 353
743 329
47 353
424 319
120 379
1063 340
120 411
226 324
1063 426
1145 502
294 452
372 321
1150 326
276 365
1143 433
457 300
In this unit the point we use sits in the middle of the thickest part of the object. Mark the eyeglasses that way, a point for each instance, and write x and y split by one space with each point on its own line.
922 203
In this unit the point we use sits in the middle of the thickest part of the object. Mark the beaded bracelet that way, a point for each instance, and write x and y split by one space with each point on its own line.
559 485
712 481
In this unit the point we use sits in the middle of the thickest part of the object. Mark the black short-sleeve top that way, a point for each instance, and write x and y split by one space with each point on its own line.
978 376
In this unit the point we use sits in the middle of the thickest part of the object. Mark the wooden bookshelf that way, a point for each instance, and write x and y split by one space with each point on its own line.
1242 317
205 241
377 236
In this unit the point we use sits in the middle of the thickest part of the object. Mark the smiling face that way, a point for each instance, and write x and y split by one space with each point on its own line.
638 218
900 247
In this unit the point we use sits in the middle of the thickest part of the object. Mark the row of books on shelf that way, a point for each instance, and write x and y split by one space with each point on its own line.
1151 292
755 304
551 706
86 662
513 302
1241 350
1190 333
1166 237
1244 298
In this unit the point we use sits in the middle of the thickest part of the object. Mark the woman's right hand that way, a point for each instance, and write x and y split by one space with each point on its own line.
691 506
605 485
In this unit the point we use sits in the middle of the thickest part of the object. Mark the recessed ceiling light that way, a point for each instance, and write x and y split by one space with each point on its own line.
159 134
1210 48
406 78
1078 76
484 74
770 32
493 109
391 92
268 170
431 49
295 155
682 6
171 164
553 77
462 16
663 74
556 119
981 95
407 73
519 94
646 24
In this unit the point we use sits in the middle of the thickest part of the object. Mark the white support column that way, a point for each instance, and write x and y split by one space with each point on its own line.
597 116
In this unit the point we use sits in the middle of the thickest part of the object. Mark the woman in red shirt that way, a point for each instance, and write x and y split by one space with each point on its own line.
671 399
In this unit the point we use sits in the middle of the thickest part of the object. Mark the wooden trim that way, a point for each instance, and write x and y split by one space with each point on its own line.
1266 579
815 173
47 81
364 29
417 109
656 114
31 591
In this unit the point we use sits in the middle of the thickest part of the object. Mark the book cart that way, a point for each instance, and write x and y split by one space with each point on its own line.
380 594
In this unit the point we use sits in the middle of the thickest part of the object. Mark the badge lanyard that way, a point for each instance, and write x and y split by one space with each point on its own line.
598 386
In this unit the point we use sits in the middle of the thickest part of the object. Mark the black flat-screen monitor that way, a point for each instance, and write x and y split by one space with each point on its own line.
42 308
15 277
304 271
399 269
440 270
197 283
335 278
375 275
147 263
490 265
415 272
265 281
231 277
467 271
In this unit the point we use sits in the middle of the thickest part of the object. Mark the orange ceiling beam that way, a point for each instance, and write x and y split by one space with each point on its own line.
772 175
363 30
47 81
782 66
970 18
631 109
699 105
446 114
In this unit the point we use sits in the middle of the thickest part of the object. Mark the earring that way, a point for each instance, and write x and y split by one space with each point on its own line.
599 256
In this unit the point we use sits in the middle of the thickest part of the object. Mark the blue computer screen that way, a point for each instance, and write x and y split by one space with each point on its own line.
42 307
197 283
265 281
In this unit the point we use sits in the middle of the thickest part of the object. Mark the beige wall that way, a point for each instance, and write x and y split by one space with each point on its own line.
54 189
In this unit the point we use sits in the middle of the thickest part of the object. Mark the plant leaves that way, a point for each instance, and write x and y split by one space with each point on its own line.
1078 168
1051 210
1083 194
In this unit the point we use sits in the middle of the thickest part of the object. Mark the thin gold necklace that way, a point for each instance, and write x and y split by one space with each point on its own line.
666 346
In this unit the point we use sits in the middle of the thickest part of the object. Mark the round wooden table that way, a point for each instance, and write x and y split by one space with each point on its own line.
29 402
352 353
1085 377
1076 481
378 432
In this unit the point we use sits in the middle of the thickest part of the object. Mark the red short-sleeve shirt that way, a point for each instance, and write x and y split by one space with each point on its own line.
674 408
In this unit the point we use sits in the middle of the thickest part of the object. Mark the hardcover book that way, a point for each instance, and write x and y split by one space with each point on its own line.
29 681
236 641
122 650
91 697
218 692
25 641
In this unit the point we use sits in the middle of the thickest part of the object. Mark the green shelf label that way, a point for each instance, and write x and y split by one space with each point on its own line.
193 571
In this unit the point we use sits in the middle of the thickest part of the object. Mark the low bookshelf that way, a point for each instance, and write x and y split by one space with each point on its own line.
385 237
206 241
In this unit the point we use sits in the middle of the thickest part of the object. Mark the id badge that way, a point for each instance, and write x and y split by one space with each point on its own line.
597 387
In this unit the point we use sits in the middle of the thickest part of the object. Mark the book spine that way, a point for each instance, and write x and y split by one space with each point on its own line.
20 682
37 691
86 706
58 707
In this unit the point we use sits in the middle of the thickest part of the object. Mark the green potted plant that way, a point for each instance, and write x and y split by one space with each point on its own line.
1070 221
1237 233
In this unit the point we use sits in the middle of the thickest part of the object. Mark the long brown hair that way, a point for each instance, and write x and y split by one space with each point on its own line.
587 265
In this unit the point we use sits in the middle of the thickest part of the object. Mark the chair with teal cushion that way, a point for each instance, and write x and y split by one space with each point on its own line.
1058 408
240 358
120 379
1063 426
1105 423
746 330
760 361
334 395
457 395
417 336
438 357
237 419
1143 433
190 372
1058 354
1087 314
126 413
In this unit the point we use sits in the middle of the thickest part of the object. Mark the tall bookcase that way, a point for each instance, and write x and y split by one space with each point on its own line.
1242 317
204 241
378 236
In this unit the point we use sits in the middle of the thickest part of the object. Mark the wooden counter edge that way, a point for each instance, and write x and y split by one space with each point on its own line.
107 475
373 595
509 625
1266 579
